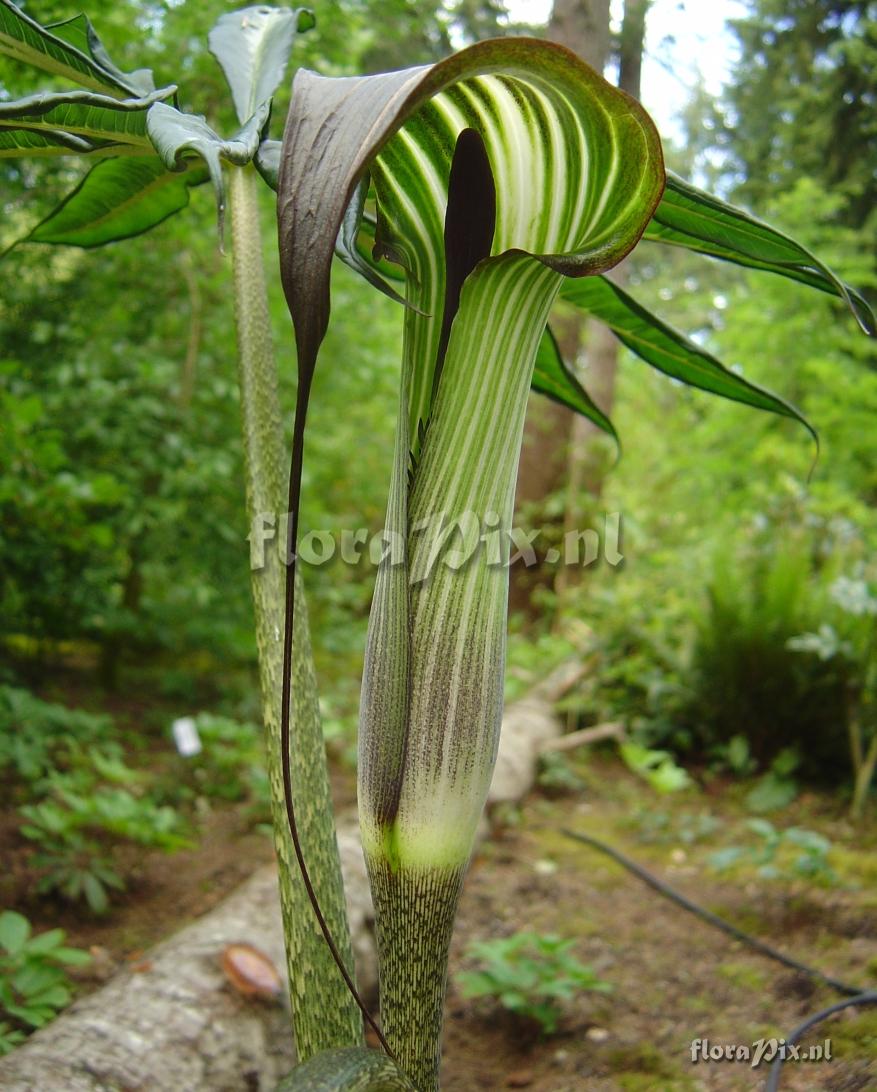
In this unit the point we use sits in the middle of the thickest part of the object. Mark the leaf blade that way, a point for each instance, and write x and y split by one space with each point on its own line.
553 378
690 218
24 39
174 133
117 199
252 47
86 114
670 351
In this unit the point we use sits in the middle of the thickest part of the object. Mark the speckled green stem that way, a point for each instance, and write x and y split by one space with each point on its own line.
323 1012
414 918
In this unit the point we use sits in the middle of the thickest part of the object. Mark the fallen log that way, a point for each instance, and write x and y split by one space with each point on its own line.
529 726
179 1025
612 729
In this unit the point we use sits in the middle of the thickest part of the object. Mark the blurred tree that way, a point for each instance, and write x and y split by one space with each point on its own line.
121 498
804 102
563 451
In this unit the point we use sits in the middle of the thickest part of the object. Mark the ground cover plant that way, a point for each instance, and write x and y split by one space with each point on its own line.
529 974
33 978
435 167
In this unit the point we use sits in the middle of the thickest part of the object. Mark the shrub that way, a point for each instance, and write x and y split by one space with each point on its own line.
33 732
747 681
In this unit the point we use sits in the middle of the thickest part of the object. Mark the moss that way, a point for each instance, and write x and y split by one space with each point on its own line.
743 975
638 1064
854 867
755 1032
645 1082
851 1036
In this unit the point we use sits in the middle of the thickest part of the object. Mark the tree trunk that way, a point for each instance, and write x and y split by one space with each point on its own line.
588 458
555 439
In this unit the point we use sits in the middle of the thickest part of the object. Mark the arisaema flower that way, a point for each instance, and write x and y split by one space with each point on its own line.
495 175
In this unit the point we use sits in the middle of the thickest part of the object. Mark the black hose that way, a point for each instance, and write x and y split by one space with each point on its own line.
773 1078
713 919
854 995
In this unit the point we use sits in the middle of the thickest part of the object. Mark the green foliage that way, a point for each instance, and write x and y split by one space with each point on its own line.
117 199
848 640
778 787
780 854
34 984
556 775
803 101
71 825
747 680
81 796
639 667
231 763
35 735
734 756
656 767
667 828
529 974
683 535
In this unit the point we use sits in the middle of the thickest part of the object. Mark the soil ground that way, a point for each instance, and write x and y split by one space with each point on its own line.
674 978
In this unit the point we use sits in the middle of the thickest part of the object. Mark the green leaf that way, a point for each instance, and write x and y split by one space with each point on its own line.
118 198
553 378
85 114
55 997
252 46
668 350
9 1038
95 894
46 942
690 218
79 33
15 143
174 133
24 39
73 957
14 931
347 1069
33 1015
34 978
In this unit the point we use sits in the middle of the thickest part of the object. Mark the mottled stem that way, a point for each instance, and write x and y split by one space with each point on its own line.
414 917
323 1012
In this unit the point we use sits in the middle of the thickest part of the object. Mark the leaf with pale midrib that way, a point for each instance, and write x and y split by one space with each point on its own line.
117 199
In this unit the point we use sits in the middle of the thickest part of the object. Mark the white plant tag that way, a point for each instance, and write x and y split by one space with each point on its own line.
186 737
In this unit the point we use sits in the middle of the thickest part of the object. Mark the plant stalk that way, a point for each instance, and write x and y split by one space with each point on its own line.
323 1012
864 765
414 919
